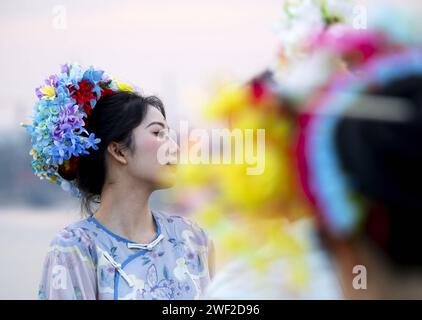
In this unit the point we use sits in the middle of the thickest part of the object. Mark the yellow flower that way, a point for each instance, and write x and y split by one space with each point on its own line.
124 87
229 99
34 154
48 92
66 164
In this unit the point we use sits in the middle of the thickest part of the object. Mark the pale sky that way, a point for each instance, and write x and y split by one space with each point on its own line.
175 49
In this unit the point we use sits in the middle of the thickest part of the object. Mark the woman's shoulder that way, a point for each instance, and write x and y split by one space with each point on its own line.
75 235
185 227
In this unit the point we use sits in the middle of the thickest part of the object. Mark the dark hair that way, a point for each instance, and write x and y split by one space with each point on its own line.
383 160
113 118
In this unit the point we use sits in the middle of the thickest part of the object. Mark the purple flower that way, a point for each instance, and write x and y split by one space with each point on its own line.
64 68
38 93
52 80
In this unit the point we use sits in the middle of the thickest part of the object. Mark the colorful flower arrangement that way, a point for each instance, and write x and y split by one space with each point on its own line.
58 131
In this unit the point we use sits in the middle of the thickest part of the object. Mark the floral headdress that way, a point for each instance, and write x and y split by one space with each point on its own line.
370 58
58 132
323 177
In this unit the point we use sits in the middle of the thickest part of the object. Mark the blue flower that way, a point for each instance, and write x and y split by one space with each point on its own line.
92 141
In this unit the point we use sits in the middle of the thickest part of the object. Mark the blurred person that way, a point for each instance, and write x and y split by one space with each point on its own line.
358 153
123 249
358 156
356 120
365 174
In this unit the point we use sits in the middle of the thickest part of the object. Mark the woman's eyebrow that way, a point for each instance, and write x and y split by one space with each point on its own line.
157 122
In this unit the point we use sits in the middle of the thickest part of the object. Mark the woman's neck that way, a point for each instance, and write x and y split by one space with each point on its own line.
125 211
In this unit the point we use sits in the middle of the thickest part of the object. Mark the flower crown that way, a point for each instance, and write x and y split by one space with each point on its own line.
58 133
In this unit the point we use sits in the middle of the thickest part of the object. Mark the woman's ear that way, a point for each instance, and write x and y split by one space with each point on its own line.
118 152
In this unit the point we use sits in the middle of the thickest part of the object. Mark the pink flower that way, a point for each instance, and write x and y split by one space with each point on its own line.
354 46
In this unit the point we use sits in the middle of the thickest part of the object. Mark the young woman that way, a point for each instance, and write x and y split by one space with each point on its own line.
123 249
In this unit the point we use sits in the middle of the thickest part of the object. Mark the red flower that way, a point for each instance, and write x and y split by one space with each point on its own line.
83 95
73 163
106 92
258 90
69 168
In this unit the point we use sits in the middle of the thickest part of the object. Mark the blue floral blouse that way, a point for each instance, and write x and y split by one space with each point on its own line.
87 261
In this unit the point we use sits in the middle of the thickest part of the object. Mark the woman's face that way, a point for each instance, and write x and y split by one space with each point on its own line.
154 153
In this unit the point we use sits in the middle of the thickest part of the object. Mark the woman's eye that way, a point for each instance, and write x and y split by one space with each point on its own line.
161 134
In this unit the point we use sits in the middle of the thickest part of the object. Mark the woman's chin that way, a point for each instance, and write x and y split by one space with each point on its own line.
167 178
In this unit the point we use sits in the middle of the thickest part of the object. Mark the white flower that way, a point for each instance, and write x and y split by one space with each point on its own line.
303 18
343 9
303 76
180 270
298 21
